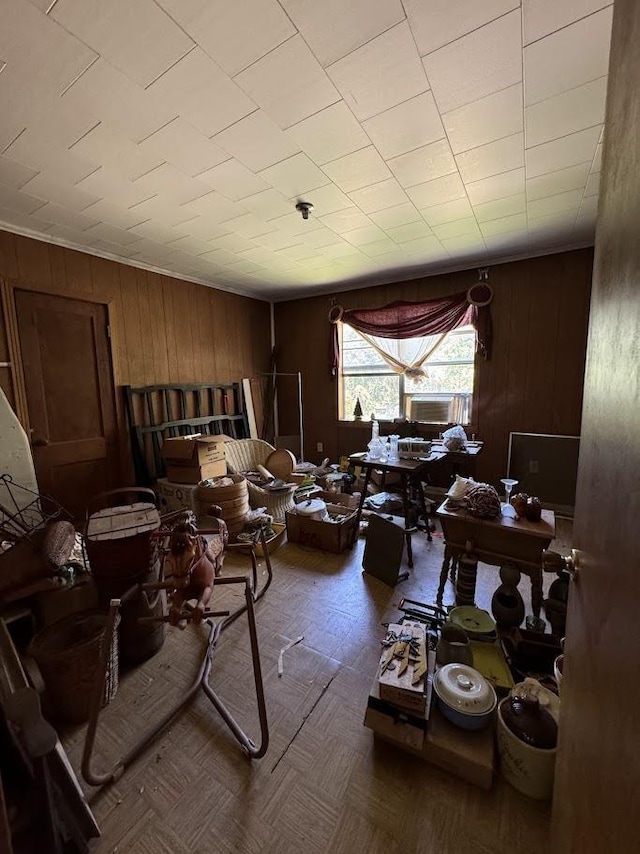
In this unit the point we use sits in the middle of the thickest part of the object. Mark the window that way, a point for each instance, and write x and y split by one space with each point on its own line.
443 395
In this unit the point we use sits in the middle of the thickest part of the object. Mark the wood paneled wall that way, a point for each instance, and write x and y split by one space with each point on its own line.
163 330
533 382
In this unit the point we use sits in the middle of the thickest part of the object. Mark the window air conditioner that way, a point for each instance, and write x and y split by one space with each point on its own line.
433 411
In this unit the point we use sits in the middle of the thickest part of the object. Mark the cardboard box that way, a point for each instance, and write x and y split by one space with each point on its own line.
397 688
326 536
338 498
176 496
469 755
193 451
194 474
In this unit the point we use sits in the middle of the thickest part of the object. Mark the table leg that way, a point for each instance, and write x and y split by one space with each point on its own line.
536 592
443 574
407 516
363 495
423 508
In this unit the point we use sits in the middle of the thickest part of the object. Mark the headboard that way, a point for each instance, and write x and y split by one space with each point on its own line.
156 412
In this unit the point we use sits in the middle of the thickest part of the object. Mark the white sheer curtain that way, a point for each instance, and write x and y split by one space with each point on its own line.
408 355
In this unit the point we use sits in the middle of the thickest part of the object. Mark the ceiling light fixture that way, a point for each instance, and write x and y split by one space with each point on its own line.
305 209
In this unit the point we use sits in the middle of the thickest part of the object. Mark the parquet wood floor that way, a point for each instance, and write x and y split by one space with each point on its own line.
325 784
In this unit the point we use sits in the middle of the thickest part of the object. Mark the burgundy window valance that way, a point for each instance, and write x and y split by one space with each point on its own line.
416 319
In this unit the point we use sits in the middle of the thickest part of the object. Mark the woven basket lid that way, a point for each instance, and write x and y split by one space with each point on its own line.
280 463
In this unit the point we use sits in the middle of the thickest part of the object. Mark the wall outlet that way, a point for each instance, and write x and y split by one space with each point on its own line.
534 467
319 447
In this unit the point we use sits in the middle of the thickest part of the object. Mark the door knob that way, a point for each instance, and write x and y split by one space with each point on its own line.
37 441
557 563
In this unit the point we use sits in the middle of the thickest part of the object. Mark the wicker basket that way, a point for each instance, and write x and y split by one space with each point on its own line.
68 655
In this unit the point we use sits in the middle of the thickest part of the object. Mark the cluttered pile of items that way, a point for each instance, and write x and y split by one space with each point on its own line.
452 683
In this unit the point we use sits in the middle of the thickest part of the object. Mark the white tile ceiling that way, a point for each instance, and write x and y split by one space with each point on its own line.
179 134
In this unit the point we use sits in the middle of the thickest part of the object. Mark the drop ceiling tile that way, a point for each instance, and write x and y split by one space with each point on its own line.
40 156
47 187
564 152
485 120
566 113
63 216
300 252
593 184
334 28
107 183
395 216
407 126
218 256
321 237
483 62
346 220
197 90
329 134
267 204
111 233
257 141
233 180
220 28
424 247
155 231
554 204
504 225
439 22
467 246
289 83
457 228
138 38
106 211
276 240
423 164
327 200
213 206
110 96
28 85
379 196
411 231
249 225
11 219
381 247
19 201
447 212
358 170
292 223
572 178
172 184
541 17
14 174
512 241
106 145
438 192
202 228
496 187
295 176
500 208
568 58
492 159
186 148
381 74
362 236
232 242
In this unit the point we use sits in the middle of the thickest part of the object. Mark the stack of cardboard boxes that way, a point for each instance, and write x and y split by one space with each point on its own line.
188 460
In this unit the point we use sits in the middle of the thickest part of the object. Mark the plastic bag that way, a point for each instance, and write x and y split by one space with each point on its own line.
454 439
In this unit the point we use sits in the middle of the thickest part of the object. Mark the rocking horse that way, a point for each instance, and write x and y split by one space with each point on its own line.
191 567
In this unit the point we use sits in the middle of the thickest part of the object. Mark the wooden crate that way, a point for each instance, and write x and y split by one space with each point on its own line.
325 536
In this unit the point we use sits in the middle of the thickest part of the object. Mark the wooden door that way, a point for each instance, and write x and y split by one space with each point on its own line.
70 395
598 771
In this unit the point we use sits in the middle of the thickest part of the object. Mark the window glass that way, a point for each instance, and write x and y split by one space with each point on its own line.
443 394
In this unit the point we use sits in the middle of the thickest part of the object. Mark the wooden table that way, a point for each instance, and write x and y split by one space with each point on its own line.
497 541
410 472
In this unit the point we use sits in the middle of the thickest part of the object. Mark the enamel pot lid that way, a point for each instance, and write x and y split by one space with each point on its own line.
312 507
464 689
